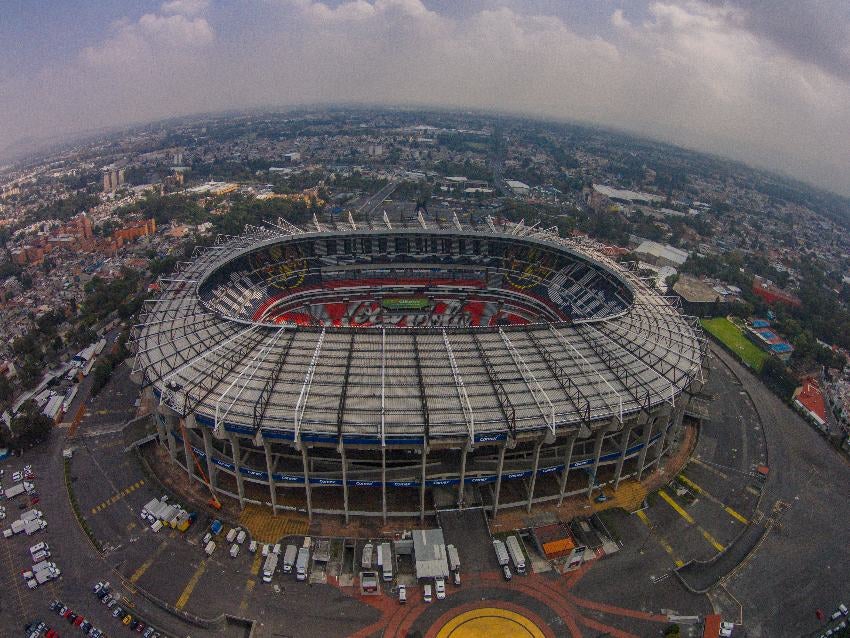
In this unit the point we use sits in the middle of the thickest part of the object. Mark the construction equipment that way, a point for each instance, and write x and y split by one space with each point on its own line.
213 502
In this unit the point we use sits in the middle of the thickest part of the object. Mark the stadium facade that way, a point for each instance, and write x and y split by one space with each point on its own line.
364 370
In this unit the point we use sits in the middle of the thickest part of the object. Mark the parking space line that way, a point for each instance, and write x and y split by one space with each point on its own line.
690 519
696 488
711 540
190 586
117 497
661 540
144 566
681 512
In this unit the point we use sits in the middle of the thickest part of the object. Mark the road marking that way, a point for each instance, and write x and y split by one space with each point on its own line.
144 566
255 566
711 540
190 586
696 488
710 468
116 497
661 540
690 519
249 587
676 506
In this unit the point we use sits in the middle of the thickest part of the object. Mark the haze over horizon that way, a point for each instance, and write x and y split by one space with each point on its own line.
767 83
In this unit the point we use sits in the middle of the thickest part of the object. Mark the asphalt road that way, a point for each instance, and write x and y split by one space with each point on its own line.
803 562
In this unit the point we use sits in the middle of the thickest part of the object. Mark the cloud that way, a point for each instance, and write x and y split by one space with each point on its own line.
693 73
184 7
814 32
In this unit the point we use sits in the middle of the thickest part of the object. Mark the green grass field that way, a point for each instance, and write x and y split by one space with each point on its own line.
734 339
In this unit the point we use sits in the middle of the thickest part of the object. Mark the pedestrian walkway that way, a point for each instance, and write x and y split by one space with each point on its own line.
267 528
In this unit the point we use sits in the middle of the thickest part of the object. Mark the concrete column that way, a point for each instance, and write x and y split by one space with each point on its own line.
499 477
169 435
208 451
384 483
647 435
344 479
270 469
597 452
190 464
237 462
160 428
624 444
531 485
462 475
568 457
307 491
422 484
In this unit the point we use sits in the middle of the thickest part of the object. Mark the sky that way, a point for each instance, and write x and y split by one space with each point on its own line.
762 81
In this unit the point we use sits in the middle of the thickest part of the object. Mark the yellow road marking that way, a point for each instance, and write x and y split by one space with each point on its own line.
711 540
255 566
489 621
661 540
696 488
249 587
190 586
735 514
144 566
690 519
116 497
676 507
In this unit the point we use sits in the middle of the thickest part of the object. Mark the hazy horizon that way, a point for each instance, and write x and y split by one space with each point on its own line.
763 83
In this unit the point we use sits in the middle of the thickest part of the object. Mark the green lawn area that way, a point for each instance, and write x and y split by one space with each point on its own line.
734 339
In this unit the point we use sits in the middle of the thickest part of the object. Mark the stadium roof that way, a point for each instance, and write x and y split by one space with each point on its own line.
403 385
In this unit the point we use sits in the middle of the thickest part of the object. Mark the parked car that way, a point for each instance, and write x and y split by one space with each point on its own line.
402 594
507 572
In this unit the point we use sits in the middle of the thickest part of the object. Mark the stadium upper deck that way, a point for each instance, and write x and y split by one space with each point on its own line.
397 336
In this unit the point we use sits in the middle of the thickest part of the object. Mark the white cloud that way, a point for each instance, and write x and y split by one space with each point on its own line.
690 73
184 7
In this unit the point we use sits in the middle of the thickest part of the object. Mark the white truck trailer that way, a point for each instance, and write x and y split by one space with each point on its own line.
289 557
454 559
269 567
366 559
501 553
386 561
517 556
301 563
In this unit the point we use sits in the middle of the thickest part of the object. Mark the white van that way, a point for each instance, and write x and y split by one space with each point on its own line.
234 550
276 549
210 548
266 549
38 547
240 537
252 547
231 535
427 594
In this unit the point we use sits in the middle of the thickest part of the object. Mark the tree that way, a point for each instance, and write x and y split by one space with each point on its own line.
6 390
29 427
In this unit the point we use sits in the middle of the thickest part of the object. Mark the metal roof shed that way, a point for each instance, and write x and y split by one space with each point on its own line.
429 548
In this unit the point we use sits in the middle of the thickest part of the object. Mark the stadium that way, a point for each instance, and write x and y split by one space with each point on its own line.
366 370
